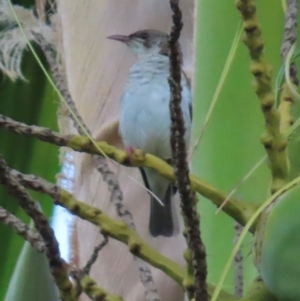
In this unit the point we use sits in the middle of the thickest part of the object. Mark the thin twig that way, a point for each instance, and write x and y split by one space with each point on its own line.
289 39
178 146
238 264
32 209
288 93
93 258
57 265
79 274
22 229
290 35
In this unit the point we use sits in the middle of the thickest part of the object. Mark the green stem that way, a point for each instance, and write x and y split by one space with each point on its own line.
274 142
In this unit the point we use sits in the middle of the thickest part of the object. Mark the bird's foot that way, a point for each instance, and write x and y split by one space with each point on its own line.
134 155
130 150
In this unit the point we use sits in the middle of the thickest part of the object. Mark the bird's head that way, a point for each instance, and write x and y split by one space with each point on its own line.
144 43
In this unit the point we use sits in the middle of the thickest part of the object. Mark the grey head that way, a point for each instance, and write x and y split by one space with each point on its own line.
146 42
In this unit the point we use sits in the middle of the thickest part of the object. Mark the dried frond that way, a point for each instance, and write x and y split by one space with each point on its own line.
12 41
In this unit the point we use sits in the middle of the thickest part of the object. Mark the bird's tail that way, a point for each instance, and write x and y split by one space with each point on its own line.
161 217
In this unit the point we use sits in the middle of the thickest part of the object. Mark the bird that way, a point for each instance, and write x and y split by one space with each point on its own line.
144 119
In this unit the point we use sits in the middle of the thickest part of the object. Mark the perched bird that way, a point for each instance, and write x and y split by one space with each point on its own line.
145 118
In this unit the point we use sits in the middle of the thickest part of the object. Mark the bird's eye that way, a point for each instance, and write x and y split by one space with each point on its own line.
144 36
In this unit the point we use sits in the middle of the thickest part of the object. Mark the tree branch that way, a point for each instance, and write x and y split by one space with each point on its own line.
22 229
123 233
107 226
187 202
238 210
287 98
57 265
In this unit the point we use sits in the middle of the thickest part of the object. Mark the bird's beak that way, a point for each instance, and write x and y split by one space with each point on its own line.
120 38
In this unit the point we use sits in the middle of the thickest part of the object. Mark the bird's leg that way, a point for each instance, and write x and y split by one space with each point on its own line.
130 150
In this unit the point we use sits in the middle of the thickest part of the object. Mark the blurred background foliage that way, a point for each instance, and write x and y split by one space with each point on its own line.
230 146
32 102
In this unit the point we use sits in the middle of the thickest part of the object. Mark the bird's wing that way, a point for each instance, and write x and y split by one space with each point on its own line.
189 82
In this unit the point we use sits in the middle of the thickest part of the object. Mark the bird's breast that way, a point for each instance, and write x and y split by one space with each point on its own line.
144 112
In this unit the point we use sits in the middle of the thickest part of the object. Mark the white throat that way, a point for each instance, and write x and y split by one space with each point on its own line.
142 52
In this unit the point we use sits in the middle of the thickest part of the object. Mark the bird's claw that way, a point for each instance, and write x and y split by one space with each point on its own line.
130 150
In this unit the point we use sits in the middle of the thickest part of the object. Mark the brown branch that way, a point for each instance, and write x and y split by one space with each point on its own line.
287 108
22 229
240 211
93 258
289 39
238 264
78 274
179 155
57 265
290 36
